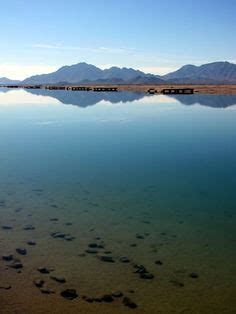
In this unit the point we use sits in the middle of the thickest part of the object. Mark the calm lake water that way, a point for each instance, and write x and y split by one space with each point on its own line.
149 178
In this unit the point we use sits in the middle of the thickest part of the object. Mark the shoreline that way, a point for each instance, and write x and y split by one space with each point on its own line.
202 89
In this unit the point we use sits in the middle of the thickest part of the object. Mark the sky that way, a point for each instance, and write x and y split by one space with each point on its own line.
151 35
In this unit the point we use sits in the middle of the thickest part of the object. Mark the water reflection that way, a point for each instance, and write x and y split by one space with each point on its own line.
85 99
209 100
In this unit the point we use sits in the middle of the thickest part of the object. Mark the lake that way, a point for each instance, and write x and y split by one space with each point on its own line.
128 197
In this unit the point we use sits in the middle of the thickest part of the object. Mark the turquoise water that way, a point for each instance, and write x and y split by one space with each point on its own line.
157 172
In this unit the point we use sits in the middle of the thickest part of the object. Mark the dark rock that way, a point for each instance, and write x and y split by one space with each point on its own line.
21 251
16 264
46 291
29 227
58 235
124 259
193 275
117 294
88 299
93 245
106 258
58 279
146 276
38 283
5 287
127 302
6 227
91 251
31 242
107 298
158 262
140 269
7 258
69 238
43 270
133 245
68 224
54 219
139 236
69 294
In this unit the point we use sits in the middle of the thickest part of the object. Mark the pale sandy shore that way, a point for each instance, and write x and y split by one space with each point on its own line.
204 89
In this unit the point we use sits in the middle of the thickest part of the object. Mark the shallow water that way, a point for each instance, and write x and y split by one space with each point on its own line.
153 177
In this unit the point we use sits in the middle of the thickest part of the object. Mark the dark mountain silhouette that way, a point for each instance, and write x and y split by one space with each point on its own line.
7 81
83 73
217 71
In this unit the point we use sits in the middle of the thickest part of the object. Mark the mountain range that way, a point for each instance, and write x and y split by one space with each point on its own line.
83 73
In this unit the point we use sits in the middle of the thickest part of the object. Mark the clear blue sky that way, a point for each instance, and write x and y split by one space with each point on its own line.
155 36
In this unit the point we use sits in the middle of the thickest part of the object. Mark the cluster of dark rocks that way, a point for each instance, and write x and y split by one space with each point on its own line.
142 271
13 262
28 227
108 298
62 235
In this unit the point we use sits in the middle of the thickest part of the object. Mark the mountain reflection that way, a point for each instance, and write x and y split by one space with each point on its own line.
209 100
85 99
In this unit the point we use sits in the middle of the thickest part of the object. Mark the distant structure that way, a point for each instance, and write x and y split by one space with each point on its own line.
152 91
105 89
185 91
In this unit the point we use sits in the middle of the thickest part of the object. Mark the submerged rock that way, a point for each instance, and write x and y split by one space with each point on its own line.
139 236
146 276
31 242
106 258
69 238
46 291
7 227
107 298
16 264
129 303
58 235
117 294
29 227
69 294
38 283
193 275
5 287
58 279
124 259
43 270
91 251
8 257
21 251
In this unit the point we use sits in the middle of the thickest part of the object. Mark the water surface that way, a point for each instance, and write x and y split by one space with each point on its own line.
151 178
